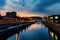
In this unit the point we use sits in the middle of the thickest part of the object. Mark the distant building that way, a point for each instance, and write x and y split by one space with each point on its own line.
1 17
36 18
11 14
54 18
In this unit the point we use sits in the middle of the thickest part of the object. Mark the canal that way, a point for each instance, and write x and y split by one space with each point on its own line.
37 31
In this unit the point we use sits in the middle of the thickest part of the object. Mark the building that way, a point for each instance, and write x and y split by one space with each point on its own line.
54 18
1 17
11 14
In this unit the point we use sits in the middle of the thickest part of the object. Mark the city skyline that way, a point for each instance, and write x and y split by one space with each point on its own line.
22 14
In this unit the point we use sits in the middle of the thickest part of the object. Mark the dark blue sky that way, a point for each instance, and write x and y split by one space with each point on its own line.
45 6
2 4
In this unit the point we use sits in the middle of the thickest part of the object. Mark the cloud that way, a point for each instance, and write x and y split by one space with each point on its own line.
2 4
12 5
20 5
44 6
29 14
55 9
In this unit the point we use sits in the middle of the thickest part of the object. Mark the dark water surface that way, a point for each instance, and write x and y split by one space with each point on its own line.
37 31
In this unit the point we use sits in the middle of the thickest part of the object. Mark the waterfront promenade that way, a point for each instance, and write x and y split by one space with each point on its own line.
53 26
10 30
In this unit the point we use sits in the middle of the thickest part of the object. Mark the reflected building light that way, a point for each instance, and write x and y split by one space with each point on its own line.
56 38
26 29
17 36
52 34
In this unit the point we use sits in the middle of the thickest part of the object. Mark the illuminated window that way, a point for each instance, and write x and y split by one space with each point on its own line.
56 17
51 17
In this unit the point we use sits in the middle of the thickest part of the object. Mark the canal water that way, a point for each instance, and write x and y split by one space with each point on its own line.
37 31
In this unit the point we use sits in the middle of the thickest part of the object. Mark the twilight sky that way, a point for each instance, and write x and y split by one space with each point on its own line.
45 7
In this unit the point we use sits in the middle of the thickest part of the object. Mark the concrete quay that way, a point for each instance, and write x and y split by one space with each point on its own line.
5 26
6 33
53 26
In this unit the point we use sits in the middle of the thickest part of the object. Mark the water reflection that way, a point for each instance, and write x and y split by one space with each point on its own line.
17 36
54 35
37 31
35 26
